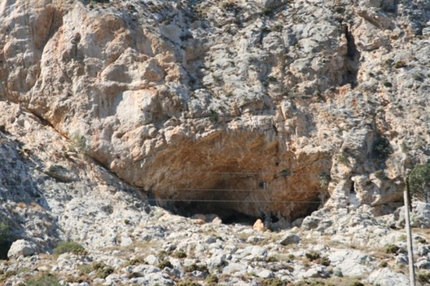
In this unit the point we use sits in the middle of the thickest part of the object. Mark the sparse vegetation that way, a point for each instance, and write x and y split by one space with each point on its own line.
273 282
102 269
165 263
324 179
312 255
195 267
4 233
213 116
69 247
324 261
342 159
212 279
419 182
188 283
179 254
43 279
387 84
391 248
381 148
424 277
78 143
400 64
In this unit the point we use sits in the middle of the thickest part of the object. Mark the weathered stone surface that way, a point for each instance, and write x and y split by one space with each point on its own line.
264 106
21 247
290 238
242 109
386 277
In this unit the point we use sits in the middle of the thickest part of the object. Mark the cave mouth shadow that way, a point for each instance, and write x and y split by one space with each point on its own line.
226 213
229 215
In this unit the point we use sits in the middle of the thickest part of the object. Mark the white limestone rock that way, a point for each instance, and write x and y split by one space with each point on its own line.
21 247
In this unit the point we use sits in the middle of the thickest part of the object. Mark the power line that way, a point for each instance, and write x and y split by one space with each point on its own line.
231 201
233 190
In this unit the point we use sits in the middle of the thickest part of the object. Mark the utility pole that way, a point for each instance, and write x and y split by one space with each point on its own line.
408 203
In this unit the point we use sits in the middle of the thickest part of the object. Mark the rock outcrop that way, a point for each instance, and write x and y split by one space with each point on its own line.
264 108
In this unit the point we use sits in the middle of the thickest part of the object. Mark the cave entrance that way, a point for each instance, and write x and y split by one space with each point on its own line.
221 209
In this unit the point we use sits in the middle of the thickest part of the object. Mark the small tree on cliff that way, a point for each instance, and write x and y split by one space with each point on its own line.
419 182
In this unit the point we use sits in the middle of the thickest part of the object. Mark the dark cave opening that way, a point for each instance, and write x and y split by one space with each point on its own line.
226 213
229 212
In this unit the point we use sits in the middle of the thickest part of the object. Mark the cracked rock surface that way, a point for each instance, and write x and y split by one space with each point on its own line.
304 114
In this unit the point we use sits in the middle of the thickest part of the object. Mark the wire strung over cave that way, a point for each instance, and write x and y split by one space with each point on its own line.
236 205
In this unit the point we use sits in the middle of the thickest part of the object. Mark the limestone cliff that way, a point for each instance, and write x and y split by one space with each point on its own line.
272 108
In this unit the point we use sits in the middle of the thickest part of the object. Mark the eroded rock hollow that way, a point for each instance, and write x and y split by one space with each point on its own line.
238 172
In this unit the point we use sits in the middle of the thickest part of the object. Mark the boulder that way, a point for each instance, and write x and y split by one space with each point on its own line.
290 238
21 247
259 225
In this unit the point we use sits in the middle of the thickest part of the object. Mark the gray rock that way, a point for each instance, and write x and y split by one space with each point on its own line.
21 247
232 268
423 263
350 262
151 259
290 238
402 259
215 261
316 272
254 239
310 222
265 274
426 32
387 277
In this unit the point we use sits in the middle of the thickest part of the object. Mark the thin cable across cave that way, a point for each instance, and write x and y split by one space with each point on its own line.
234 202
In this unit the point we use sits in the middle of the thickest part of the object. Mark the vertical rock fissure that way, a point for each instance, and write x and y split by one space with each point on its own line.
352 59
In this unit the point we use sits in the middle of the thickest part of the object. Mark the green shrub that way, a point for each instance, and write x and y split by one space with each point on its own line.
5 234
188 283
419 182
69 247
43 279
400 64
324 180
381 148
356 283
179 254
165 263
213 116
391 248
273 282
195 267
211 279
312 255
424 277
325 261
85 269
78 143
342 159
387 84
104 272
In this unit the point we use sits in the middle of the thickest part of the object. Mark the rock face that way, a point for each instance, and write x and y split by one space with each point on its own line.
261 108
